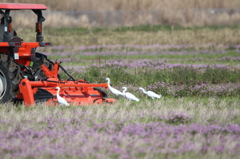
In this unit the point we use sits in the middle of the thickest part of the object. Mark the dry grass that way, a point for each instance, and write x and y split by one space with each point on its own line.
225 36
173 12
203 110
103 5
105 19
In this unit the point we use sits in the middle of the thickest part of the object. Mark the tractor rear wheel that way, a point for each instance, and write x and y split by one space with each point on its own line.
5 84
10 78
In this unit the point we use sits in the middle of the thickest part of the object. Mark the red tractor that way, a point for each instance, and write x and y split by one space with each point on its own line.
29 76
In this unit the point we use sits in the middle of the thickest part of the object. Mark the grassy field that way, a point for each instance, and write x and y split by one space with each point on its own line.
77 5
166 128
195 69
102 13
197 37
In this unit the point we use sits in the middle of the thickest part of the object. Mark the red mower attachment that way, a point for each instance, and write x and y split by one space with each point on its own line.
74 92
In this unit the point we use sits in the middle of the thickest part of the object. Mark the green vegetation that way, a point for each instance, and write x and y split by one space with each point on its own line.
195 70
147 75
192 61
155 28
144 28
147 35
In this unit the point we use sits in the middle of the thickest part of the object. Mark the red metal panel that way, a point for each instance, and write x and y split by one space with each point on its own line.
22 6
72 93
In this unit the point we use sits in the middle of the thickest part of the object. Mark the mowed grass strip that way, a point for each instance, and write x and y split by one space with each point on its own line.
87 37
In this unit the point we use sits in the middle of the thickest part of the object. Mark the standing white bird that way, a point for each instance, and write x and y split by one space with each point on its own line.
113 90
60 99
128 95
150 93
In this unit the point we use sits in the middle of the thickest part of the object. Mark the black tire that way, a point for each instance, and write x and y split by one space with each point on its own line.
5 85
10 77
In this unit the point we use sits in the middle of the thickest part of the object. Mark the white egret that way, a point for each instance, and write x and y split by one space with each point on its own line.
128 95
113 90
60 99
151 93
